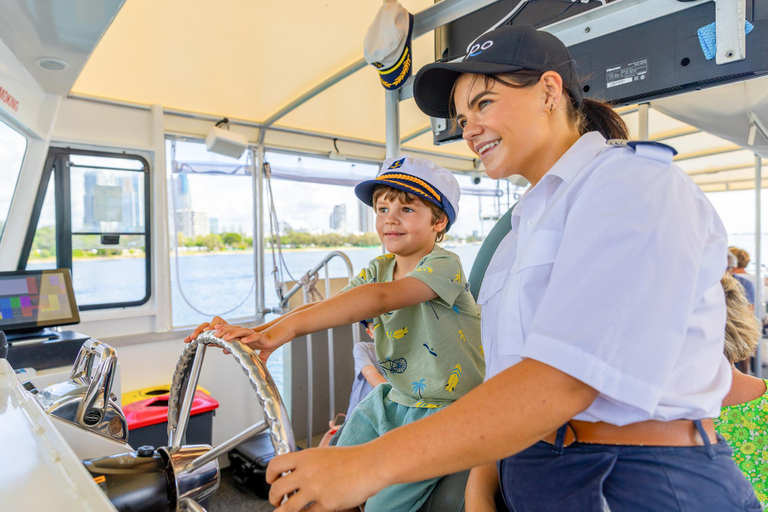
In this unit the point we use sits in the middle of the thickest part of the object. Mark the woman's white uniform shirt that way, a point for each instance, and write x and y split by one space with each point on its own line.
611 274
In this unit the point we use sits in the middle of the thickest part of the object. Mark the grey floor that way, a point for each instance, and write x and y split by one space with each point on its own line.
230 498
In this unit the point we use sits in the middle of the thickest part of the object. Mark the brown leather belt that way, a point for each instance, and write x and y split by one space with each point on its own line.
645 433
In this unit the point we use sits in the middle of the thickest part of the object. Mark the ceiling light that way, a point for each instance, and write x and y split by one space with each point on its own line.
52 63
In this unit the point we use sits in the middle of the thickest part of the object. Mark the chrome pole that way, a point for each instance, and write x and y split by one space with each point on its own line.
642 118
310 381
189 395
392 110
258 231
331 379
227 445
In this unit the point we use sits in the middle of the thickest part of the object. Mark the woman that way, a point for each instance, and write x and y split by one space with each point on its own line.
632 365
743 421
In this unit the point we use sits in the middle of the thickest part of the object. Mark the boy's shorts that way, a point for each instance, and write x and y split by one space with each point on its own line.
374 416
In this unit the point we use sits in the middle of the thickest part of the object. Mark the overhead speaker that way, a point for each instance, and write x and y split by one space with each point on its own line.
225 142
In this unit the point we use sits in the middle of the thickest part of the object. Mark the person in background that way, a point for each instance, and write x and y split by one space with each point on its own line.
738 259
743 420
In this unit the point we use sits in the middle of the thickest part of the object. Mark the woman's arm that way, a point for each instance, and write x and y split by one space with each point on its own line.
501 417
482 487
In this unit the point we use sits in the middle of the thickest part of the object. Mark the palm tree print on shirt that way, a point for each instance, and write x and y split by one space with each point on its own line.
418 387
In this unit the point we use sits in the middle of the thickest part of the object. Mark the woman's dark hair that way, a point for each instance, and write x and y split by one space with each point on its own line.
590 116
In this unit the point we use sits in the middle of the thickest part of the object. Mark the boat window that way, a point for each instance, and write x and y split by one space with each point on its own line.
210 204
91 216
738 217
43 252
13 145
315 210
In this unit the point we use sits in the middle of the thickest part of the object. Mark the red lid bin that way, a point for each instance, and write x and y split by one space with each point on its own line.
148 420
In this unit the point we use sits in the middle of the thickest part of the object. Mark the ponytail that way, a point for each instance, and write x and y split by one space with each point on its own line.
600 117
596 116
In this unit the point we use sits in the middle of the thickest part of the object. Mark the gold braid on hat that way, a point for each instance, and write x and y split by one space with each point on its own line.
408 177
401 76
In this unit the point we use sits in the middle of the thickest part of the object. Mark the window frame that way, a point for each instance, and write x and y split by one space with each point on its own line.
58 160
7 122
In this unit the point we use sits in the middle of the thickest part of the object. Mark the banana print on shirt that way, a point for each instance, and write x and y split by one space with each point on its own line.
453 380
421 404
396 335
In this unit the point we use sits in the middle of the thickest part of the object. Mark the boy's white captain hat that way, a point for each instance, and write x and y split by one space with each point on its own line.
387 44
419 177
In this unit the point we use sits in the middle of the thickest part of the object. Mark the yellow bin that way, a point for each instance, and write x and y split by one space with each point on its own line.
142 394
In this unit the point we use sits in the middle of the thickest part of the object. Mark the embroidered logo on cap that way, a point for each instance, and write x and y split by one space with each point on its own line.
396 164
478 48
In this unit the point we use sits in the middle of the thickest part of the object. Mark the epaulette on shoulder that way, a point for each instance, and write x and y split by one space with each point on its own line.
646 149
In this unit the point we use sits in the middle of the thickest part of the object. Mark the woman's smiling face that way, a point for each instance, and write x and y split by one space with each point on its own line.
505 126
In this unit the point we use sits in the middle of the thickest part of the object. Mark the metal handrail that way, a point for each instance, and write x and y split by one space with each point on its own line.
355 336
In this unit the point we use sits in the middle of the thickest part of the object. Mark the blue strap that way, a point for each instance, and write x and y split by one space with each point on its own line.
559 445
484 255
705 438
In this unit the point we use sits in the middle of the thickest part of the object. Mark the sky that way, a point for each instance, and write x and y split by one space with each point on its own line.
228 197
12 148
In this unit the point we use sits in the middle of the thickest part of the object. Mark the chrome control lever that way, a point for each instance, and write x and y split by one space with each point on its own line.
86 399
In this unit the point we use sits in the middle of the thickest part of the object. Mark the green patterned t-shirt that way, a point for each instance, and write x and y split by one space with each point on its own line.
745 427
430 352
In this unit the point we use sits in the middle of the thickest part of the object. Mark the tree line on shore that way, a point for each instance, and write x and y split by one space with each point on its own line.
85 246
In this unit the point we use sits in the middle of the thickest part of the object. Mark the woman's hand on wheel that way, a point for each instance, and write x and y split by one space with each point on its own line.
205 326
337 478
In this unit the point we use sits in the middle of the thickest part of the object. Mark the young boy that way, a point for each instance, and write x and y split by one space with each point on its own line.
426 324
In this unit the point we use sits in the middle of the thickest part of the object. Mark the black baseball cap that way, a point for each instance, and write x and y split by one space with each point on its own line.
503 50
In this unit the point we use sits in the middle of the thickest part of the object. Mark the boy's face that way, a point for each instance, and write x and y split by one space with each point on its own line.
406 228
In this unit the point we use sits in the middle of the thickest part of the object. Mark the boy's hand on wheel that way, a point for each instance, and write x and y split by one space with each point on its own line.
268 340
205 326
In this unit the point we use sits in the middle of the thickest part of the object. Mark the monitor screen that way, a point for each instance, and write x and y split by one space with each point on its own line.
36 299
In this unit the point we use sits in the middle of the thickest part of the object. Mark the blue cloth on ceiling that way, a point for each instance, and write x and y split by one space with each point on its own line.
708 38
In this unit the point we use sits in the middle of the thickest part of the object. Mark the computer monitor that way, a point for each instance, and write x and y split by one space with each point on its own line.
33 300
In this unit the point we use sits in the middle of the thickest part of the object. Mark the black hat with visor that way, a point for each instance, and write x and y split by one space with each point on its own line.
504 50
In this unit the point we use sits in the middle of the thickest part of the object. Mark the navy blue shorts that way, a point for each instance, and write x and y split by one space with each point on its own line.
599 478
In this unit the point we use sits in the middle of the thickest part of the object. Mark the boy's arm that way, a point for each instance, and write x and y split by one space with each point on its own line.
373 377
269 324
360 303
482 487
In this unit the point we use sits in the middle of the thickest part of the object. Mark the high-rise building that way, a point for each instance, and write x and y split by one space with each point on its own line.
112 201
214 225
339 218
89 219
183 195
192 224
365 216
131 195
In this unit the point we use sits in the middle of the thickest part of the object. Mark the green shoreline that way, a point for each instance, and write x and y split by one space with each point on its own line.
207 253
186 254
